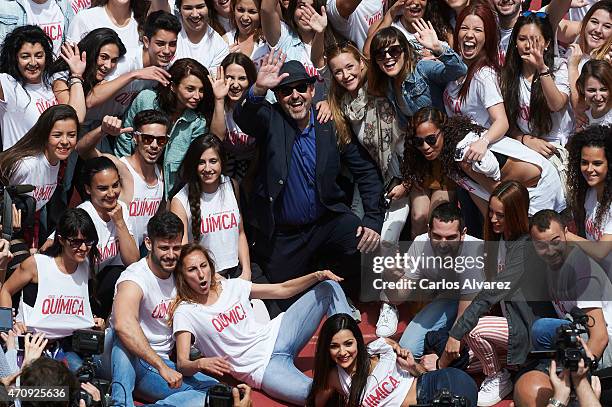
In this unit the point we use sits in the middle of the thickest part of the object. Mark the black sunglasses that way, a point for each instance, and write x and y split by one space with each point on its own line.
431 140
148 139
394 52
77 243
287 90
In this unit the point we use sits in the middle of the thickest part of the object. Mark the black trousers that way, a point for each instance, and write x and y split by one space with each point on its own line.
328 243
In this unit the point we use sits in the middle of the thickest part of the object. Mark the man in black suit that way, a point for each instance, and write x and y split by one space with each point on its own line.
297 207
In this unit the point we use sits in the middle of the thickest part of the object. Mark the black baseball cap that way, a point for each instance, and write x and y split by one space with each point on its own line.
297 73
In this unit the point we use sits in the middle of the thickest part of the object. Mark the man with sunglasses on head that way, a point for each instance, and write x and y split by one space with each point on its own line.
298 208
142 183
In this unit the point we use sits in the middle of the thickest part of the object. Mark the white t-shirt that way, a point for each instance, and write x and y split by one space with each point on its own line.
145 200
562 123
39 172
260 48
89 19
78 5
356 26
430 270
296 50
606 119
219 223
504 40
157 294
225 23
108 240
581 283
594 232
210 51
62 300
387 385
482 94
21 108
229 328
50 18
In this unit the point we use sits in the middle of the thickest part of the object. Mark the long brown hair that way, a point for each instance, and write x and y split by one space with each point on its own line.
35 141
377 79
598 69
258 34
515 199
489 54
600 5
336 91
184 293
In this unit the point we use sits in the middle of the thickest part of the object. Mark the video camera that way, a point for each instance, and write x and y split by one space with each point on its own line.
16 194
220 395
89 342
568 349
444 398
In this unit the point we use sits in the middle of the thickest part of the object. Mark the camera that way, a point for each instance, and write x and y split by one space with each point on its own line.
89 342
220 395
569 349
445 398
17 195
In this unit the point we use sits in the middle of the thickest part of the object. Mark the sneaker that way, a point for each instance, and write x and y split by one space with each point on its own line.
387 321
494 388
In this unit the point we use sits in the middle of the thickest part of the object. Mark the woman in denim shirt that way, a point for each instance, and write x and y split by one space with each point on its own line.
188 102
411 83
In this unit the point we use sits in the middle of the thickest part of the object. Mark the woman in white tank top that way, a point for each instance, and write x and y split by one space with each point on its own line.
380 374
212 199
55 286
35 158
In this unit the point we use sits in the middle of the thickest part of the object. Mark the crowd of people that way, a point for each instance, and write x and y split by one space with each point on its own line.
206 181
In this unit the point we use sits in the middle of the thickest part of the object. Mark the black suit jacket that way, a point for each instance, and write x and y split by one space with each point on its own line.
275 133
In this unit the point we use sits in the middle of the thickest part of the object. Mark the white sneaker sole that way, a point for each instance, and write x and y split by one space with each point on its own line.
502 394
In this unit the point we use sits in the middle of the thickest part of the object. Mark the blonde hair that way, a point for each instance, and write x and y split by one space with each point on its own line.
336 92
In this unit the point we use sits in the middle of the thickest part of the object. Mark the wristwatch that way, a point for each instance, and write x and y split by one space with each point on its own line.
555 403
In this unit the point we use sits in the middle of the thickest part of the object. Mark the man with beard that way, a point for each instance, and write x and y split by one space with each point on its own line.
444 264
142 183
297 206
574 280
143 341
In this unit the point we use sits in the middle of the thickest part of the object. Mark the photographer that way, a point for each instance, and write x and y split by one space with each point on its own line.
574 280
55 298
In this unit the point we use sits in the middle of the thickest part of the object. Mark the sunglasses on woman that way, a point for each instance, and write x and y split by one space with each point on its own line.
431 140
287 90
148 139
77 243
394 52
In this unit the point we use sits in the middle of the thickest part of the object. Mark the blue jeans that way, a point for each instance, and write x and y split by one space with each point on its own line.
282 380
456 381
544 332
437 315
132 374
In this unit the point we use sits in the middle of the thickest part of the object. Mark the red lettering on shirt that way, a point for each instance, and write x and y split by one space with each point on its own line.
524 113
450 104
44 192
72 305
44 104
78 5
381 392
144 207
592 230
161 310
374 18
238 138
216 222
232 316
109 250
53 30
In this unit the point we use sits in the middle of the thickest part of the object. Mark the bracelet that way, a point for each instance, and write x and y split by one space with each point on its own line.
486 140
76 75
547 73
523 139
555 403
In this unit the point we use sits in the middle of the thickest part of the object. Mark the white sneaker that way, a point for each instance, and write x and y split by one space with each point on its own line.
387 321
494 388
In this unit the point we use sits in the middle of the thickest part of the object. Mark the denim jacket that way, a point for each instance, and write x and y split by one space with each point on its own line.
186 128
13 14
424 86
